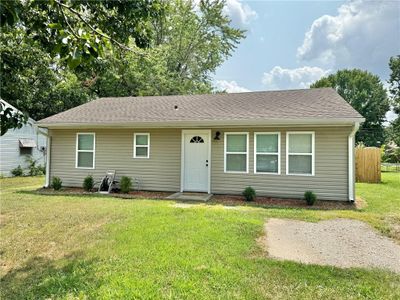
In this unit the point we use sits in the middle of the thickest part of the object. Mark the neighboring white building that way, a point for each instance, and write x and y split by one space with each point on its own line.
17 144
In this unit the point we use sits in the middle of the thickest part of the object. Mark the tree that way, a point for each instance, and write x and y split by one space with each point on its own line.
366 94
394 89
191 43
81 30
41 40
58 54
10 118
32 81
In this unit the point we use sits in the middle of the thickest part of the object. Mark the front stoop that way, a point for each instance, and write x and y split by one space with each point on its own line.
190 196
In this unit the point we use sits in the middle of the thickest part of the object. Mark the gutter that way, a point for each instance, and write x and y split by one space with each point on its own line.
206 123
351 166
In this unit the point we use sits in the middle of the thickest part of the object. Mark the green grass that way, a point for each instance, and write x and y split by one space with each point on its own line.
382 198
83 247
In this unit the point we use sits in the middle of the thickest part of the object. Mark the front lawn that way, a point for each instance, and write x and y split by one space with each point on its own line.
67 247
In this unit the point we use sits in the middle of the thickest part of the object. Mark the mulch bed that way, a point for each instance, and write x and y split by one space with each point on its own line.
234 200
81 191
228 200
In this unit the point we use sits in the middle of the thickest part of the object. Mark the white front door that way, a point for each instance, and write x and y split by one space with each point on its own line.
196 162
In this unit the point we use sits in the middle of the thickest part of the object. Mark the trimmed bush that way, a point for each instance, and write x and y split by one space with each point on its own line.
88 183
18 171
125 184
249 194
56 183
310 197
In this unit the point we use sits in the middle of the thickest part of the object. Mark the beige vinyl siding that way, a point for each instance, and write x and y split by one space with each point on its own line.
114 151
162 171
331 167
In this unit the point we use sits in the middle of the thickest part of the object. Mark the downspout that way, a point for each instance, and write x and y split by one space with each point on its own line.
48 152
351 165
46 134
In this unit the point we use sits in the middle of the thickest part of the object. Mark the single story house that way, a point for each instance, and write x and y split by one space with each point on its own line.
281 143
18 144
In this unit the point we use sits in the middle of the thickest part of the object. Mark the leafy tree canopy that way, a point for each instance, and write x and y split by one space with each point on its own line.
80 30
32 81
365 92
58 54
190 44
394 89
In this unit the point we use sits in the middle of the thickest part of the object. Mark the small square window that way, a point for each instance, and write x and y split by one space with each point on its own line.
25 151
141 145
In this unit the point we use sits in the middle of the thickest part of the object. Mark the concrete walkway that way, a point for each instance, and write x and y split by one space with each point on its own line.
191 196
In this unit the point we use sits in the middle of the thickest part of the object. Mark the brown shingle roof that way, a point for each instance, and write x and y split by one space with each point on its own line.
307 104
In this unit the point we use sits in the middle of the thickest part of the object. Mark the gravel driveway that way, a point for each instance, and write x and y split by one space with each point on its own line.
341 243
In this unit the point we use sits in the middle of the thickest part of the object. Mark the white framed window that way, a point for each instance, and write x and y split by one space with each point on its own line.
267 152
141 145
236 152
300 153
85 150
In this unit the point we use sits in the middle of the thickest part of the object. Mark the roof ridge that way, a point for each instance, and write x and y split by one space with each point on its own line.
218 94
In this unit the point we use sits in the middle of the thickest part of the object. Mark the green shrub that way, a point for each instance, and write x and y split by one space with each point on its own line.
33 169
390 154
56 183
249 194
88 183
310 197
125 184
41 169
18 171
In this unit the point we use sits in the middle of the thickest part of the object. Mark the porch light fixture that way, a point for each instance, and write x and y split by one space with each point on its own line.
217 134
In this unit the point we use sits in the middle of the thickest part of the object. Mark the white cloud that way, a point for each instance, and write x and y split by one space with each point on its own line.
363 34
391 116
240 13
230 86
281 78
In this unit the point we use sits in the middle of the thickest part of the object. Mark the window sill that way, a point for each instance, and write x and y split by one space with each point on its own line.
296 174
266 173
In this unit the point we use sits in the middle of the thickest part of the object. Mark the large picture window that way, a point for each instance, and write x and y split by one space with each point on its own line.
267 152
300 154
141 145
85 150
236 148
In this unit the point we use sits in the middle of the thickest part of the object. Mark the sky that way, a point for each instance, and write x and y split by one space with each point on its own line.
290 44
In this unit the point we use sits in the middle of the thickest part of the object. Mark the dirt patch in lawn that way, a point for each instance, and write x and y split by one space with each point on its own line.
342 243
294 203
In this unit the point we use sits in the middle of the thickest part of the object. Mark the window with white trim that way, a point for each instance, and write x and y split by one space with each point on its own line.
85 150
267 152
236 149
141 145
300 153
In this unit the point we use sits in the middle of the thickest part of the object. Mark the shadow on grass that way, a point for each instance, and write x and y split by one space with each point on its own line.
42 278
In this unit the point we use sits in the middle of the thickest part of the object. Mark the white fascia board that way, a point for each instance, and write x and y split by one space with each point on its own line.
208 123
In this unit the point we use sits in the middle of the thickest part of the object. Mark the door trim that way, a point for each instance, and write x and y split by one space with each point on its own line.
192 131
